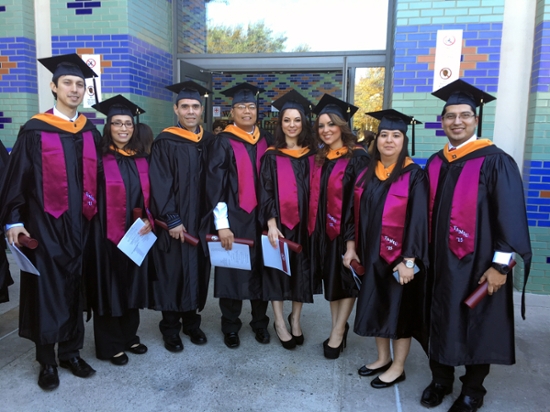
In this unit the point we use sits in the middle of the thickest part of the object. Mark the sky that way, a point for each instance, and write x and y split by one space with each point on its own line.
324 25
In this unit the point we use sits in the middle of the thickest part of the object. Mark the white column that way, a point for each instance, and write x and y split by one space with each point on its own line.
43 33
516 59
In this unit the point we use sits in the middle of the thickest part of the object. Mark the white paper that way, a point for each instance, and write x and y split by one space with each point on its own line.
134 245
237 258
22 261
273 257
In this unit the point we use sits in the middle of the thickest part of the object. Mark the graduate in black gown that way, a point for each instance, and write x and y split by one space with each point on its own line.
478 220
232 184
337 164
178 170
117 288
5 275
284 201
50 194
390 237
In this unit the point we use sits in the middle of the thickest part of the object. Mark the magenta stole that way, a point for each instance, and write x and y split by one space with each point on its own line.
245 173
287 188
55 186
462 226
115 195
393 216
335 194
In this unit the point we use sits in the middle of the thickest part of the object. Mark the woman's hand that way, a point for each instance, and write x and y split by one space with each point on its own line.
145 229
177 232
350 253
405 274
273 233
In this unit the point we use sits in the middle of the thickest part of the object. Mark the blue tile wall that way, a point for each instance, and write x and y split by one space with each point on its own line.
18 65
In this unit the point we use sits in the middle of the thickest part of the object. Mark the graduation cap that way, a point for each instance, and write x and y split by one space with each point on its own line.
189 90
460 92
293 100
391 119
330 104
67 65
119 105
244 93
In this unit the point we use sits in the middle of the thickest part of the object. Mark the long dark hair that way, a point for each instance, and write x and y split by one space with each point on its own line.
135 144
348 138
305 138
375 157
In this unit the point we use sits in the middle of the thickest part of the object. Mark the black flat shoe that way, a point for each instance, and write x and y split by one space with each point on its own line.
231 340
173 343
197 336
465 403
433 395
298 339
378 383
140 349
78 367
47 378
119 360
287 344
364 371
262 335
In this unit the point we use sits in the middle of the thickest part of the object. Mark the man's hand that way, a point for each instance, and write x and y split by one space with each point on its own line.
13 234
494 279
177 232
226 236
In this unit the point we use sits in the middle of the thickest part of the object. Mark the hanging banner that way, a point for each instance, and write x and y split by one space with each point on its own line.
447 57
94 62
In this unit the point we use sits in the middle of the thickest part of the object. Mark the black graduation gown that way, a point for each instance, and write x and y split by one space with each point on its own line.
49 303
177 174
385 308
5 276
222 185
277 285
459 335
114 283
326 255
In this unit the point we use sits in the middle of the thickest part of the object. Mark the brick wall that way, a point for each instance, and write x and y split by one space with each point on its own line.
192 34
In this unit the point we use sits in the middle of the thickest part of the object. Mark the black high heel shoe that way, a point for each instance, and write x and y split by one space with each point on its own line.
299 339
289 344
334 353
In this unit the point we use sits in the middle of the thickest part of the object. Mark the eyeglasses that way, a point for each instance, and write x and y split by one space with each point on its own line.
245 106
129 125
451 117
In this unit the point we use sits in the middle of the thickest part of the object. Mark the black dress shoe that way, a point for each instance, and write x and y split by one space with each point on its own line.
465 403
173 343
120 360
197 336
140 349
48 378
364 371
262 335
78 367
231 340
433 395
378 383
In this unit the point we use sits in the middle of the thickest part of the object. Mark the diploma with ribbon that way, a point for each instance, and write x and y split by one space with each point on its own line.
481 291
192 240
236 258
276 257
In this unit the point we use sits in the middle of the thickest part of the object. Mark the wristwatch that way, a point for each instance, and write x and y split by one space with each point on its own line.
408 263
502 269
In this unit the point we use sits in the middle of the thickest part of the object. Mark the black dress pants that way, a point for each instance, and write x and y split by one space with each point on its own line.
472 380
66 350
231 310
114 334
170 324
